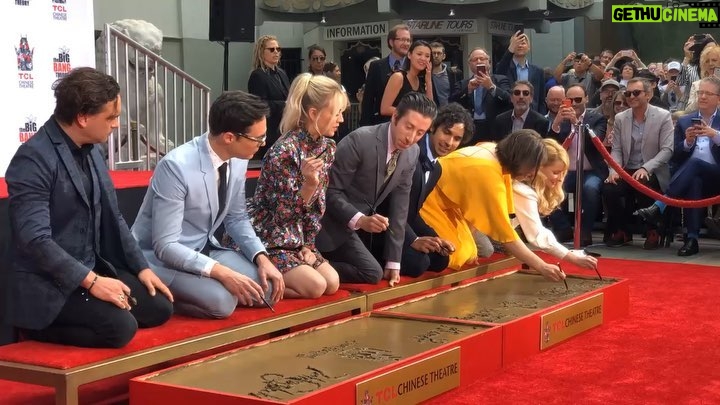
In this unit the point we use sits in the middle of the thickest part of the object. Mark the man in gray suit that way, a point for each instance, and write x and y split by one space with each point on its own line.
195 189
373 166
642 145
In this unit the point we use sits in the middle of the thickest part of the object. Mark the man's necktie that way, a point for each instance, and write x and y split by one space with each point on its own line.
392 164
396 66
222 187
222 197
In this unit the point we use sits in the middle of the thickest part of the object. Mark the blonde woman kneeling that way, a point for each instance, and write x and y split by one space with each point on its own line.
541 197
289 200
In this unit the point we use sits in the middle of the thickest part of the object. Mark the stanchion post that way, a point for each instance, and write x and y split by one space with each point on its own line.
579 160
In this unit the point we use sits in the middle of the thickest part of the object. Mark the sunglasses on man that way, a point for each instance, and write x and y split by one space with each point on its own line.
633 93
525 93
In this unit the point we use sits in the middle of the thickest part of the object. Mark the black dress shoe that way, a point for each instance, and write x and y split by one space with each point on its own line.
650 214
689 248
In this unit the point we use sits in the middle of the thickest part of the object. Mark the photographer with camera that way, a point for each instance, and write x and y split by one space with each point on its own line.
671 92
584 72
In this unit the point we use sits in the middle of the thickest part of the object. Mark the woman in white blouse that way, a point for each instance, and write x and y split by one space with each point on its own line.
542 197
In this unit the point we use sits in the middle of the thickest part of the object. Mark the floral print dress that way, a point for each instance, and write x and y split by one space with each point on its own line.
283 221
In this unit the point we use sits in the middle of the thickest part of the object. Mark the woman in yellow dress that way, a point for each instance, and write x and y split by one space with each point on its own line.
475 191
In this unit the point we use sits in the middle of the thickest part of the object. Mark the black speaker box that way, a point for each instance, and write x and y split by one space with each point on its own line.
232 20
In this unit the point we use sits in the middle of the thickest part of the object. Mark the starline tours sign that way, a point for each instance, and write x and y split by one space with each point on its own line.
434 27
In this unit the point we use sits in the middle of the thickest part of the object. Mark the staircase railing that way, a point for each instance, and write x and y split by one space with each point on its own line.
162 106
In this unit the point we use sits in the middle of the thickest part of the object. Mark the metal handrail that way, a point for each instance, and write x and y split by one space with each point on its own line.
142 138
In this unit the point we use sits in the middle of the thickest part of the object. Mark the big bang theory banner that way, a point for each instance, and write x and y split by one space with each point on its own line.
41 41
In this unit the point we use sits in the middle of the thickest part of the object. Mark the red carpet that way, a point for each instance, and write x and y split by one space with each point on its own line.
665 352
125 179
177 328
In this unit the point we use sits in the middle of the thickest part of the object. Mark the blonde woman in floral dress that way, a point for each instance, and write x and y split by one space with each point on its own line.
289 200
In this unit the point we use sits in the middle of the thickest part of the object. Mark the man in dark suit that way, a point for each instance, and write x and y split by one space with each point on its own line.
697 158
77 276
567 126
423 249
373 164
484 95
515 66
398 40
521 116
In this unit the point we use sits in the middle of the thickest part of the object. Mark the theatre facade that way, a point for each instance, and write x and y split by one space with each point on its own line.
352 31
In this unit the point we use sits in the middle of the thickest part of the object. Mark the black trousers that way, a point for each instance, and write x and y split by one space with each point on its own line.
622 200
413 263
86 321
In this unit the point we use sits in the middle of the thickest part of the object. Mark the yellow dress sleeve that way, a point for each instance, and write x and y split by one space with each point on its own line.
472 192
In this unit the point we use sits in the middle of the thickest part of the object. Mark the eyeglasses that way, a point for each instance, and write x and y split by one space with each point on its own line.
523 92
576 100
404 40
275 49
437 53
318 58
620 103
633 93
259 139
702 93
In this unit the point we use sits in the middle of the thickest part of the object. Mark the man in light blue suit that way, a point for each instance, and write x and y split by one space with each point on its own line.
196 189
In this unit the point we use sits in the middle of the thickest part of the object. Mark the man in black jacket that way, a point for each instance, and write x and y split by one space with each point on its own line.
484 95
78 276
567 127
398 40
521 116
515 66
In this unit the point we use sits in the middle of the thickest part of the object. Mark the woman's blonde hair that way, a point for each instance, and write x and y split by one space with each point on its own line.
705 69
258 61
550 198
310 91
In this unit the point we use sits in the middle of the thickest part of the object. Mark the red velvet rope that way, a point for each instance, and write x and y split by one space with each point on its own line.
647 190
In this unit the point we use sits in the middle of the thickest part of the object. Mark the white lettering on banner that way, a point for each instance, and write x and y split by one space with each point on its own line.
356 31
503 28
59 39
420 27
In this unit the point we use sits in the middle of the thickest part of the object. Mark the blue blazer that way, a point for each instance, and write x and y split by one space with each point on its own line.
536 77
50 215
680 155
179 214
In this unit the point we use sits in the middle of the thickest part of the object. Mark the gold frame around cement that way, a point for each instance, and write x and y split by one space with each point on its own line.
67 381
374 299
